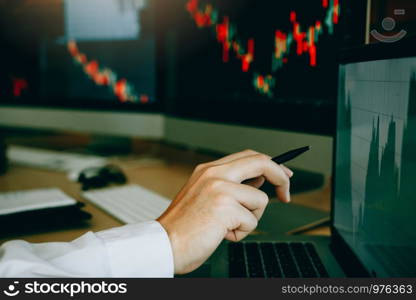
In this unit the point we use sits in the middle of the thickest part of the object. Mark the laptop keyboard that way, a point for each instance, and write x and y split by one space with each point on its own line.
274 260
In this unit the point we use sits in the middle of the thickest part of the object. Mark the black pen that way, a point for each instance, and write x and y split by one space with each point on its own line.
285 157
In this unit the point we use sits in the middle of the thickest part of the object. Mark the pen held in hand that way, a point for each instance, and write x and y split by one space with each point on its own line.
287 156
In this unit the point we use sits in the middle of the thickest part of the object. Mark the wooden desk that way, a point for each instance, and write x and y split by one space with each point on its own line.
166 172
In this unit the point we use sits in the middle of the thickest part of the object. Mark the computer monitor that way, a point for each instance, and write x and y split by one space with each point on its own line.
375 166
271 64
84 65
244 74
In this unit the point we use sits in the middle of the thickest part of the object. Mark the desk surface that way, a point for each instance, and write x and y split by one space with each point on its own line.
165 172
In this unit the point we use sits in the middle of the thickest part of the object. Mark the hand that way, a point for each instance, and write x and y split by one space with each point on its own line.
220 200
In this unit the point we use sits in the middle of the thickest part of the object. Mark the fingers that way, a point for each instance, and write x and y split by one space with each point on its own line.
255 166
244 223
288 171
259 181
251 198
248 166
255 182
214 204
202 167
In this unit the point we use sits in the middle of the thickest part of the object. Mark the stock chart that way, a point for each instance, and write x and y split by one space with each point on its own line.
66 53
375 164
118 20
299 41
265 61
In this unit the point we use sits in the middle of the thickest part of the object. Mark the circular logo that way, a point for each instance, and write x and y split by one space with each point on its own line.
11 290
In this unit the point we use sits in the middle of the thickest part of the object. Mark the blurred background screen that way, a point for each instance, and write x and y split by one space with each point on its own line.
88 53
267 63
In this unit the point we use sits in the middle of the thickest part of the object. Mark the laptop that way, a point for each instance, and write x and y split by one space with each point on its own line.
373 207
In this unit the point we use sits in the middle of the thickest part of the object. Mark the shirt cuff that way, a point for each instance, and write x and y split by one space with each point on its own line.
139 250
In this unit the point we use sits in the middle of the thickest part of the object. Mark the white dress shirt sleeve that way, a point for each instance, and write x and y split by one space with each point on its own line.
139 250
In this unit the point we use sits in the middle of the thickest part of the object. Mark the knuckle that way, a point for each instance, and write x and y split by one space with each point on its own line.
262 157
211 171
250 152
200 167
285 179
213 185
264 199
253 223
221 199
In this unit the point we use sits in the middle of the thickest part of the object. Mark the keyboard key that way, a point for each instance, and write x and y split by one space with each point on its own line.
316 260
304 263
254 263
287 261
236 260
273 260
271 263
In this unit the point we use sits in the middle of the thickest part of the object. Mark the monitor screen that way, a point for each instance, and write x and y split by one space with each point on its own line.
375 164
81 53
271 63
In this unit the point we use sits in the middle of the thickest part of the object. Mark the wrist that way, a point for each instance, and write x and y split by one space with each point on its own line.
174 244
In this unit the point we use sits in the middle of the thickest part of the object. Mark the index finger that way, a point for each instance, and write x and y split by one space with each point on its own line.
255 166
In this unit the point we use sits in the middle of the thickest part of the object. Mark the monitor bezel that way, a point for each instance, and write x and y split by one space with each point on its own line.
85 105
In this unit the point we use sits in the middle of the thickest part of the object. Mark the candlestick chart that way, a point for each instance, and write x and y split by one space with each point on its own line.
261 63
301 39
102 76
95 52
118 21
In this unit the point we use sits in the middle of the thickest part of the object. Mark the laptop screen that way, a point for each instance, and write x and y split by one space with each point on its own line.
375 203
